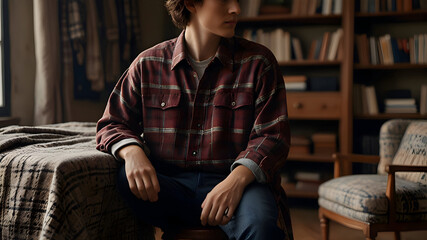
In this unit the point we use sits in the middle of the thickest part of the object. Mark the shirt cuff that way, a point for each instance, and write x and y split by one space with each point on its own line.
125 142
256 170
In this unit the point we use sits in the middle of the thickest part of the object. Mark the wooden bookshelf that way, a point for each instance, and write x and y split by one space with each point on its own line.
317 107
350 72
402 75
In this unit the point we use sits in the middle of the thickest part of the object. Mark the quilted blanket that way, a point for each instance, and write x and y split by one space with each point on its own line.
54 184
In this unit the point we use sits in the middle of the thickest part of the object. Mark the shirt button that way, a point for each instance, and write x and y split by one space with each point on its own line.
195 75
199 125
194 153
233 104
162 104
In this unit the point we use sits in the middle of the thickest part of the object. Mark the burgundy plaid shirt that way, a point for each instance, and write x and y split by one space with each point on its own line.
237 111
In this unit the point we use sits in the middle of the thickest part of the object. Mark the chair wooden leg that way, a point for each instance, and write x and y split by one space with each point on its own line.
324 225
397 235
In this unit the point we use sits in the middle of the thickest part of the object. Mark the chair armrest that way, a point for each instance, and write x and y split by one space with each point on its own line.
405 168
341 160
391 184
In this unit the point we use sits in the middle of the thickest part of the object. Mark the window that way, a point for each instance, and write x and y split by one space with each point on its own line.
4 61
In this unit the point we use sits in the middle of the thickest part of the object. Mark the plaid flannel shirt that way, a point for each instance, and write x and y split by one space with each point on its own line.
237 111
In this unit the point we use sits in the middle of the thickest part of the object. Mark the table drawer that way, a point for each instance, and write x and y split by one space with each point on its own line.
314 105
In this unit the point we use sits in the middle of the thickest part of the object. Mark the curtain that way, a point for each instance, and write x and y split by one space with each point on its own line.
48 99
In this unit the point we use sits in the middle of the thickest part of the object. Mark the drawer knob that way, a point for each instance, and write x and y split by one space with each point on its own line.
297 105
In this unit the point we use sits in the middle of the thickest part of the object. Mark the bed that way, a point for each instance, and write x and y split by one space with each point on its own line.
54 184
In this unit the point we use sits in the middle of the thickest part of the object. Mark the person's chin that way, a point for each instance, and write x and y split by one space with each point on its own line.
228 34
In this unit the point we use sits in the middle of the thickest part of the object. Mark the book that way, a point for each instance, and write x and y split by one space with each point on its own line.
326 7
307 186
294 78
371 100
362 48
325 45
333 48
337 6
295 82
296 45
399 101
308 176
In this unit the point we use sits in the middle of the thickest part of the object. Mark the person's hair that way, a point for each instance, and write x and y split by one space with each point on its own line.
179 13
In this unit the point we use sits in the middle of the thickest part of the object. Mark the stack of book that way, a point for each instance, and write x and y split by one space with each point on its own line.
400 105
400 101
295 83
324 143
300 145
308 181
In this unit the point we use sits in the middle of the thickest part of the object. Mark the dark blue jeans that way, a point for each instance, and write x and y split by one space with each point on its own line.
181 196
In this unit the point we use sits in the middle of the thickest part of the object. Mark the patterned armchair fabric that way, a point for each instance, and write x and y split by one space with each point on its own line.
391 134
363 197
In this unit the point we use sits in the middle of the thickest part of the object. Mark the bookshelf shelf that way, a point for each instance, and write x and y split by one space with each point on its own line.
393 17
310 158
290 20
386 116
290 189
396 66
308 63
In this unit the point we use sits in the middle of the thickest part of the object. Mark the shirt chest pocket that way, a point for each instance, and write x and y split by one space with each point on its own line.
233 110
161 110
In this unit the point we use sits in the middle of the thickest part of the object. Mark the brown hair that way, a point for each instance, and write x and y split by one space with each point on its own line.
179 13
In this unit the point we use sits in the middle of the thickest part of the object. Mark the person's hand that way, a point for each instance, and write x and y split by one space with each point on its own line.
140 173
220 203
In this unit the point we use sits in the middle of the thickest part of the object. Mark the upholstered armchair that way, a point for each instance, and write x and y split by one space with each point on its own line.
395 199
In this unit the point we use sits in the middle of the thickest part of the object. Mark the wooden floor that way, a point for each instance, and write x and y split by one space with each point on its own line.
306 226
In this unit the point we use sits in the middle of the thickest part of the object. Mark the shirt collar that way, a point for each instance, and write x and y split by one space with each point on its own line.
224 52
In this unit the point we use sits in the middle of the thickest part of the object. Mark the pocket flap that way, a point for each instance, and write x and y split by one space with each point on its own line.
233 100
163 101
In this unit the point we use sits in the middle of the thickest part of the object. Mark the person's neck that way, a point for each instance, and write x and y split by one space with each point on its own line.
200 46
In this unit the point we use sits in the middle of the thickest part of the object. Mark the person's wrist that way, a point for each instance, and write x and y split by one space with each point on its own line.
130 151
242 175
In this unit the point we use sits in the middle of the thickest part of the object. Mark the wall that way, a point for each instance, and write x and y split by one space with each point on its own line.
22 59
155 27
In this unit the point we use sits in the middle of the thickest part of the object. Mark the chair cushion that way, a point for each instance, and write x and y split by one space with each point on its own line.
391 134
363 197
413 151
